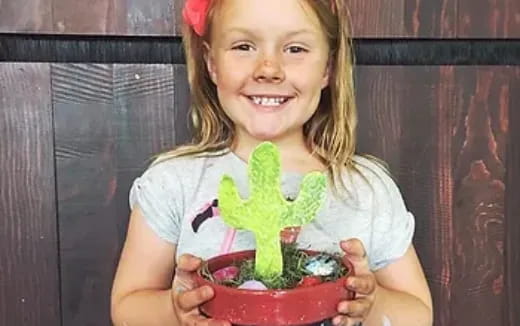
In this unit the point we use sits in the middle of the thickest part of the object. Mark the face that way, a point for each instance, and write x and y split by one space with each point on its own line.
269 61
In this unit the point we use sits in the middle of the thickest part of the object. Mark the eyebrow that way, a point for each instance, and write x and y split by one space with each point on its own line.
252 32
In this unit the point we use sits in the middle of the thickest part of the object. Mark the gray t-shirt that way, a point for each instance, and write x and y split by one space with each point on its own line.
178 200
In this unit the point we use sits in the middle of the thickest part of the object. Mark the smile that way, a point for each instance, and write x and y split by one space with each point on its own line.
269 102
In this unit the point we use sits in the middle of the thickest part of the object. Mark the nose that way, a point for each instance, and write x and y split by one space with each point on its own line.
269 70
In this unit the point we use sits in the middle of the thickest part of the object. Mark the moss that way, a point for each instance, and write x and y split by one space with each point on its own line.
293 270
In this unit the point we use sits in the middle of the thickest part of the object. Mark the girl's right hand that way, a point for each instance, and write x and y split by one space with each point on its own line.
187 296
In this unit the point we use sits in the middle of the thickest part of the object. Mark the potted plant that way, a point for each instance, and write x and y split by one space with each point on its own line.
278 283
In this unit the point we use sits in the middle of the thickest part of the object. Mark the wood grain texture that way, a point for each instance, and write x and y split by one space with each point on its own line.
479 148
371 19
380 18
29 281
397 124
113 17
86 179
25 16
489 18
512 223
109 121
444 132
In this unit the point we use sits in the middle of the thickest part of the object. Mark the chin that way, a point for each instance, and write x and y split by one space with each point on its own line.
265 135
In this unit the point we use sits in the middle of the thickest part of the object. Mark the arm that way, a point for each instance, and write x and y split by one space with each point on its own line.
402 294
396 295
141 292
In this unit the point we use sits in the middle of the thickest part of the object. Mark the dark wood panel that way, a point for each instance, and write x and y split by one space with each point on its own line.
380 18
375 18
489 19
397 123
479 148
29 286
89 17
444 132
25 16
512 223
109 121
86 180
132 17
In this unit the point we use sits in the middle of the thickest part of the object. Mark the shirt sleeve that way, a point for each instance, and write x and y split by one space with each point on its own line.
155 193
393 224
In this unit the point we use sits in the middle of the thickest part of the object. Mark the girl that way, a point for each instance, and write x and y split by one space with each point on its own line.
279 71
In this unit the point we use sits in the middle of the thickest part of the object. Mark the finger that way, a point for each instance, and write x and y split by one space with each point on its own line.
354 248
356 254
191 299
358 308
200 320
346 321
188 263
362 284
183 279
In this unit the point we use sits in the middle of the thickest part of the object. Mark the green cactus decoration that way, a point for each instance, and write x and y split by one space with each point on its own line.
266 212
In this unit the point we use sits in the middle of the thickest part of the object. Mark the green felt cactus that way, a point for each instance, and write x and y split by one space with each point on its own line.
266 212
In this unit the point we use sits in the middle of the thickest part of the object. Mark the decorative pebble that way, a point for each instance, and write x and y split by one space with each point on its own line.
290 235
226 273
321 265
253 285
308 281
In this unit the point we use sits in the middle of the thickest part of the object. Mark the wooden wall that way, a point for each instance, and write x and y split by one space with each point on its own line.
74 135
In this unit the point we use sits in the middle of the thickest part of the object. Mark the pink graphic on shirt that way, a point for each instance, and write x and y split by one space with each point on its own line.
210 210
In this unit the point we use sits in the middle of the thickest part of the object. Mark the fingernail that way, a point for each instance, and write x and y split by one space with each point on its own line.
352 285
208 292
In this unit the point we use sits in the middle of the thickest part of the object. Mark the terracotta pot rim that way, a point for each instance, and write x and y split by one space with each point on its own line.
271 291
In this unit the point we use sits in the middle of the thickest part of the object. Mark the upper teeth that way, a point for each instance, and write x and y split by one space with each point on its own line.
268 101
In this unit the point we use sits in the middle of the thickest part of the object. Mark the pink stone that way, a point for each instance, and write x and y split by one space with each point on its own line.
226 273
290 235
253 285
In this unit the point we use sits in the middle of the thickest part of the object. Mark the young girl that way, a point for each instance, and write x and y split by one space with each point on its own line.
279 71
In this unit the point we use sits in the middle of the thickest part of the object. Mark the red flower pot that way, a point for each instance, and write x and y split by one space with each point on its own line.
299 306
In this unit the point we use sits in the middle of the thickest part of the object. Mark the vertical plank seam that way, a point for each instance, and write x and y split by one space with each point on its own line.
56 199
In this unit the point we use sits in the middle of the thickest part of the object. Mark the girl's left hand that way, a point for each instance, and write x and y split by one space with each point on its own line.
354 312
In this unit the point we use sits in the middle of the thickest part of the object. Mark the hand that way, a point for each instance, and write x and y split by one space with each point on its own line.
354 312
187 297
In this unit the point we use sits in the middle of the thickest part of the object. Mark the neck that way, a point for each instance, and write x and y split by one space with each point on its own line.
294 154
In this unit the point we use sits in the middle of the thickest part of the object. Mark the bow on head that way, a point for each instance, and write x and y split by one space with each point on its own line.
195 13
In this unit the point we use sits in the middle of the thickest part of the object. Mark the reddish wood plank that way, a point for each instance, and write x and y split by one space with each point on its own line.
29 287
398 124
512 223
479 148
489 18
377 18
444 132
25 16
114 17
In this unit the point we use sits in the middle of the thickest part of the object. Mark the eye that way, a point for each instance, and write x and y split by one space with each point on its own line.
242 47
297 49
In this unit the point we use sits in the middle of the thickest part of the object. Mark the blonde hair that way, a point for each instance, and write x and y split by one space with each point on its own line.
331 131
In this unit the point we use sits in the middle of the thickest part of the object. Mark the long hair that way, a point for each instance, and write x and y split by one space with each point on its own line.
330 133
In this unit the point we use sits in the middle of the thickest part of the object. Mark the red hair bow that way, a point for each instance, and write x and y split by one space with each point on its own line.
194 14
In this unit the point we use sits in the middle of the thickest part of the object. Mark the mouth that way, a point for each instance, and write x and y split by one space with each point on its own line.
269 103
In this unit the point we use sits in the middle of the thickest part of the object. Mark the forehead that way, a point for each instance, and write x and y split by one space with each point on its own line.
268 17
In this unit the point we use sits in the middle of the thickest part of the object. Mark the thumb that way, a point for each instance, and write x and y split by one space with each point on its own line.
355 253
183 279
188 263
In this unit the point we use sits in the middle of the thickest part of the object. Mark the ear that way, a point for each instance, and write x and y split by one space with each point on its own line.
326 76
210 62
